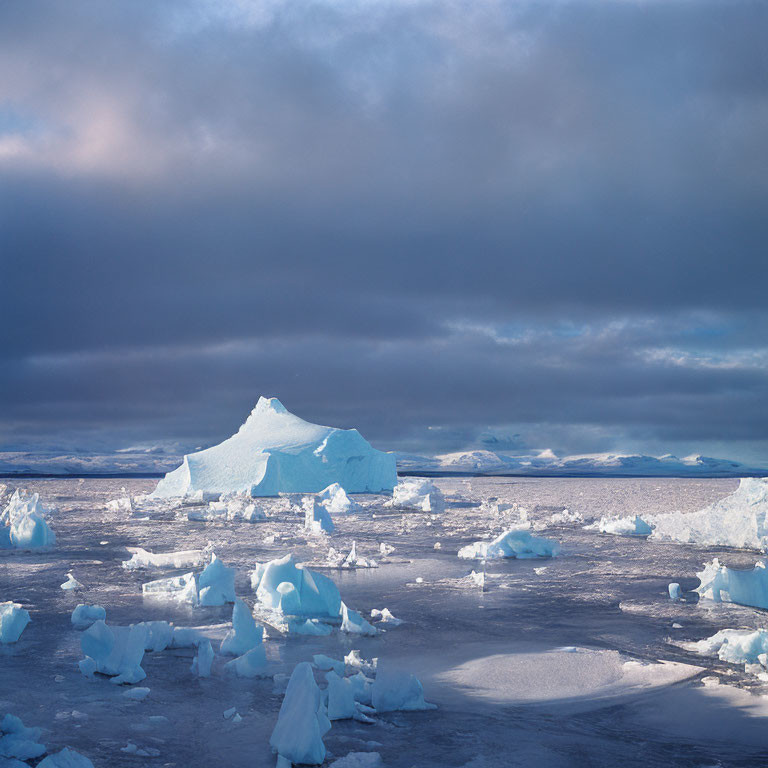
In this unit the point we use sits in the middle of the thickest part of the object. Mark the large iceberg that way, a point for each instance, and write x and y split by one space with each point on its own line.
739 520
275 451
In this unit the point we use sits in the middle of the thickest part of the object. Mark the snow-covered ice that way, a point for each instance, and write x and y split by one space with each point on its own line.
515 543
623 526
335 499
275 451
732 585
737 646
417 493
141 559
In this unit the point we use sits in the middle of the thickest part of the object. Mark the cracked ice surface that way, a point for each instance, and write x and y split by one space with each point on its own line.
532 666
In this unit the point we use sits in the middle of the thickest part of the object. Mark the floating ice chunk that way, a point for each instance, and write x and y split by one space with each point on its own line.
514 543
229 713
301 724
185 637
674 591
71 584
417 493
67 758
275 451
385 549
352 560
354 624
358 760
316 517
623 526
394 689
253 663
334 498
566 517
326 663
114 651
728 585
18 741
316 596
361 688
141 559
736 646
355 661
84 615
217 583
478 579
31 531
308 627
123 504
180 588
201 664
159 635
385 616
245 633
739 520
341 697
13 619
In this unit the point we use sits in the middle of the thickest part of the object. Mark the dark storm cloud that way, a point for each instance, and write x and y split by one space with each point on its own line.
392 215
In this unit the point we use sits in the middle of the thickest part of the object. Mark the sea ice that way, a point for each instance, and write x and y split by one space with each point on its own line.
417 493
275 451
245 633
737 646
13 619
515 543
301 724
394 689
312 594
316 517
728 585
201 664
351 560
623 526
181 588
71 584
334 498
739 520
114 651
85 615
18 741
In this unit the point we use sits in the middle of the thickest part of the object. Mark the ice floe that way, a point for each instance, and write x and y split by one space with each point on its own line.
352 559
417 493
141 559
115 651
517 543
737 646
275 451
622 526
214 586
354 624
731 585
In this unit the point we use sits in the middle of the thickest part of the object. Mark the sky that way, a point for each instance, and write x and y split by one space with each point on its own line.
513 225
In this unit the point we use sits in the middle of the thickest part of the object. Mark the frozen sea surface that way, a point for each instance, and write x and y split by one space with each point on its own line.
529 672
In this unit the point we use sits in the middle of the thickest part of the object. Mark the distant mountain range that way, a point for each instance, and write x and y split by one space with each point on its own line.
481 462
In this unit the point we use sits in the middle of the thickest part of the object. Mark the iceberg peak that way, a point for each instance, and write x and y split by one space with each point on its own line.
269 404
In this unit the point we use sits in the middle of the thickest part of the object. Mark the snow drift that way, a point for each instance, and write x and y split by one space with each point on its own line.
275 451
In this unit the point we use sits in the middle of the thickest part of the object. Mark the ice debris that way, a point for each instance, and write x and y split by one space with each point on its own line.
316 517
334 498
354 624
623 526
85 615
395 689
141 559
214 586
737 646
71 584
275 451
13 619
251 664
67 758
674 591
114 651
301 723
358 760
201 664
514 543
385 616
351 560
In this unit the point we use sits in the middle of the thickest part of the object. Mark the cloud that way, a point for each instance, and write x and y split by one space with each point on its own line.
517 218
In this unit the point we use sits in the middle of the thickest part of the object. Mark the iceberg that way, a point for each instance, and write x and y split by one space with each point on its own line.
354 624
245 633
417 493
739 520
181 588
291 589
301 723
17 741
114 651
316 517
334 498
515 543
275 451
729 585
217 583
385 616
24 523
736 646
13 621
251 664
67 758
85 615
341 697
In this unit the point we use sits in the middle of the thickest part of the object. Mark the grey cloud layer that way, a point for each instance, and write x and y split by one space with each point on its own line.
357 206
